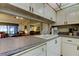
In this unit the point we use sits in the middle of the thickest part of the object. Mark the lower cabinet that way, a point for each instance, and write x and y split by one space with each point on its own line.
70 46
54 47
69 49
35 51
50 48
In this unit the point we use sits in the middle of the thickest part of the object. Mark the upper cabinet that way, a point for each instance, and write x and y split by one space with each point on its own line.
60 18
69 15
49 13
72 14
36 8
25 6
40 9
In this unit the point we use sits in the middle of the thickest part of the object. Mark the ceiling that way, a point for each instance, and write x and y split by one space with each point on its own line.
60 6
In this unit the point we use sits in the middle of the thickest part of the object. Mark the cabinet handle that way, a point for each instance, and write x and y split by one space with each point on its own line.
32 9
77 47
51 18
69 40
29 8
55 41
42 49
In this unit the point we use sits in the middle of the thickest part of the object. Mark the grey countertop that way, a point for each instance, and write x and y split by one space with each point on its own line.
77 37
13 45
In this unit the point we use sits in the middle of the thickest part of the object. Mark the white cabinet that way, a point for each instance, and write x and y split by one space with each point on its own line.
70 46
68 15
35 51
25 6
69 49
50 48
38 8
73 17
61 17
49 13
73 14
54 47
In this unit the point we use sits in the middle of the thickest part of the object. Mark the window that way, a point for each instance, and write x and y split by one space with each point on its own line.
3 28
12 30
9 29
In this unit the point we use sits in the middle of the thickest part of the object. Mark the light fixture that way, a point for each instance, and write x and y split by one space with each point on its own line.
17 17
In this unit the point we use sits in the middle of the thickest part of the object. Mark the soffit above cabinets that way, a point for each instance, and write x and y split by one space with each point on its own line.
60 6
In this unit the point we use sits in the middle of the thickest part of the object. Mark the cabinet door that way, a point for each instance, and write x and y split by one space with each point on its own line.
73 14
49 13
35 51
73 18
24 6
53 47
69 49
61 18
38 8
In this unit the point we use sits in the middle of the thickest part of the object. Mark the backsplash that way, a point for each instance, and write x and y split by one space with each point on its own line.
66 28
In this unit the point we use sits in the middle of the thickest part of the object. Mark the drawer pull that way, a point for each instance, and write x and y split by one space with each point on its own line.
69 40
42 49
55 41
77 47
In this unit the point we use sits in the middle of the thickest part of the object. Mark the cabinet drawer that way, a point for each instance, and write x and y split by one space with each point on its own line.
77 41
70 40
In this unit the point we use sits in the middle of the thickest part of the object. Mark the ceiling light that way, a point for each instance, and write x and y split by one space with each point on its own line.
17 17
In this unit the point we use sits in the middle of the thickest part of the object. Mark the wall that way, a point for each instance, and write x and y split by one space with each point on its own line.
70 14
63 29
12 19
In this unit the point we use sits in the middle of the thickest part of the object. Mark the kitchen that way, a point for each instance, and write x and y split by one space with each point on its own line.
39 29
